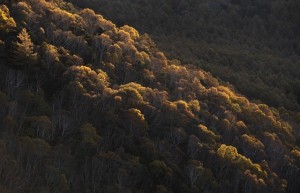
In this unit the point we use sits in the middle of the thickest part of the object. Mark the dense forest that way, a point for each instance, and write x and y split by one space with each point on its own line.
89 107
252 44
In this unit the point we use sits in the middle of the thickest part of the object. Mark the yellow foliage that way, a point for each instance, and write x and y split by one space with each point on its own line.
106 24
296 153
254 178
105 40
6 22
242 100
134 34
227 152
51 53
125 37
115 48
131 90
218 95
230 153
89 81
205 130
139 57
65 19
226 90
194 105
200 75
102 75
146 57
176 71
109 66
252 141
264 108
241 126
181 105
134 85
230 97
137 113
118 98
170 106
148 74
160 55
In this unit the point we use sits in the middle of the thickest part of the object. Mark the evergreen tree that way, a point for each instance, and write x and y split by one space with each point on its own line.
22 51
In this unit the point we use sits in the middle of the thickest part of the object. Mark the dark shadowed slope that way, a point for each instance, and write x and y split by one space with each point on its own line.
253 44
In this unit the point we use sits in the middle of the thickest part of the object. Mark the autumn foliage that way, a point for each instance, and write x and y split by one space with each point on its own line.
89 107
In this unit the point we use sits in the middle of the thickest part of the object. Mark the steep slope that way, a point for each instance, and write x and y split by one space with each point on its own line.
89 107
253 44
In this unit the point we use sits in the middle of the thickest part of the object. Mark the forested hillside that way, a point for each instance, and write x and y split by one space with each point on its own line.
88 107
253 44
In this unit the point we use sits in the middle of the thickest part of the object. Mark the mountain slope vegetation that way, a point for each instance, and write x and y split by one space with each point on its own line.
253 44
89 107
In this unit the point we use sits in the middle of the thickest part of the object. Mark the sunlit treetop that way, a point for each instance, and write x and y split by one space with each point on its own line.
7 23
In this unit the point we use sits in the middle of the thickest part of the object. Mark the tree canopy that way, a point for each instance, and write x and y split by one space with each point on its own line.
89 107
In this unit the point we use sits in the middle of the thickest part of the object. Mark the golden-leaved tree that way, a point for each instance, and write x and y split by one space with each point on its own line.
23 53
7 23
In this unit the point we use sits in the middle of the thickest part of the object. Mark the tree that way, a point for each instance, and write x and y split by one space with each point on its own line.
94 171
88 81
14 80
253 147
50 54
91 21
43 127
23 54
193 146
89 134
137 122
193 171
231 156
159 171
176 136
7 23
